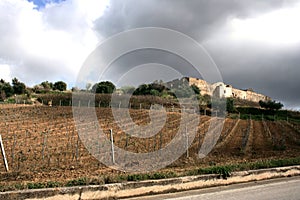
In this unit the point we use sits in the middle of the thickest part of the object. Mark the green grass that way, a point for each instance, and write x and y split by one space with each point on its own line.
271 115
264 117
224 171
77 182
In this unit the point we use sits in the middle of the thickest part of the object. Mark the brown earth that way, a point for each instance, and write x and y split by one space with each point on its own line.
42 143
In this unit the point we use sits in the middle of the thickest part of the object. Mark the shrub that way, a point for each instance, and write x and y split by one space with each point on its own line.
77 182
35 185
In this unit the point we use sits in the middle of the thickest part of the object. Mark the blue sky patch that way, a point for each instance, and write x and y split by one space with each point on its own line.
42 3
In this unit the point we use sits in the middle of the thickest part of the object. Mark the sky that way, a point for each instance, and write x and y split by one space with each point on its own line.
42 3
255 44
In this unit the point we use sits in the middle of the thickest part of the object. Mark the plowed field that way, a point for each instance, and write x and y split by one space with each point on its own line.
42 143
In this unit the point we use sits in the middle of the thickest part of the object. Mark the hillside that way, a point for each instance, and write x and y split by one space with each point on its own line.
42 144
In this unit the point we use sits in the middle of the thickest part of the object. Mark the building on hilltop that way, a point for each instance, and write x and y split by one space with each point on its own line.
220 90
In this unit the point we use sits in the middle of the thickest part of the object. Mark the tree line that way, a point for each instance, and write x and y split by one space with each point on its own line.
169 90
19 88
270 105
157 88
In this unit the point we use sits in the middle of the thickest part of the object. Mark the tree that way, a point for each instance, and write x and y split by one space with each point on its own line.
205 100
270 105
143 89
230 105
154 92
60 85
18 87
43 87
47 85
6 90
195 88
262 104
104 87
277 106
184 90
156 88
2 95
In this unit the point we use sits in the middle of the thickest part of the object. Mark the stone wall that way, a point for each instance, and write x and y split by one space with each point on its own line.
204 87
237 93
221 90
253 96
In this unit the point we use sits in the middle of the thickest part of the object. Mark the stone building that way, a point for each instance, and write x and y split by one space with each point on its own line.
222 90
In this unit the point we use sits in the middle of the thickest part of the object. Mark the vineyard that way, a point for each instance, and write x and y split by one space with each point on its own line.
42 143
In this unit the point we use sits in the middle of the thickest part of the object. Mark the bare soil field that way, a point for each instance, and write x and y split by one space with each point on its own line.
42 143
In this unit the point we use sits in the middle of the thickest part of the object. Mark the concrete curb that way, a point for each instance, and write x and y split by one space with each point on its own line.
141 188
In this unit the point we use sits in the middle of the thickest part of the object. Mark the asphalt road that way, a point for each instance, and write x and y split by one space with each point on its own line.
276 189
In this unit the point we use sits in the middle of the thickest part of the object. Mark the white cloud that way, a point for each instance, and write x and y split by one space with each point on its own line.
5 72
280 27
50 43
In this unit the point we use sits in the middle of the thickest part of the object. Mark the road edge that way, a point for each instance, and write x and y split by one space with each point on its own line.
149 187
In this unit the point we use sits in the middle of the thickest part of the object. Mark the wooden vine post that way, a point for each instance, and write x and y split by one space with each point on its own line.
187 142
112 146
3 154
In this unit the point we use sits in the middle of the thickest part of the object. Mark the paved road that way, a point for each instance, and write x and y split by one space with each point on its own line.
277 189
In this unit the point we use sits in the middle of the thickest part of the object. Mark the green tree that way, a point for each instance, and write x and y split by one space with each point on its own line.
18 87
43 87
154 92
270 105
184 90
156 88
230 105
47 85
195 89
6 90
262 104
60 85
2 95
277 105
143 89
205 100
104 87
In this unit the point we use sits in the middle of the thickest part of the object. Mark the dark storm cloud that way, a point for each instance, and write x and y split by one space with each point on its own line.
269 70
140 57
196 18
